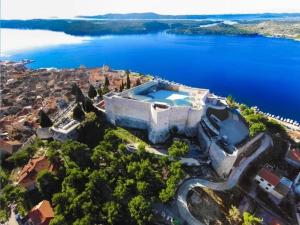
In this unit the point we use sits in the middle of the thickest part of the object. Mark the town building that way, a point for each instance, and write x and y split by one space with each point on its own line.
41 214
272 183
293 157
27 176
8 147
65 129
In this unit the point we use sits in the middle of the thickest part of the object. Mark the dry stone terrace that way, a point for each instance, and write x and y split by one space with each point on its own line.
25 91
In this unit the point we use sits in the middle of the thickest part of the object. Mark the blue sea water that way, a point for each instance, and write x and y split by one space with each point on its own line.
255 70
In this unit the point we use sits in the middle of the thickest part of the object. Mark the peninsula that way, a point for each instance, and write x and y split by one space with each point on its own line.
273 25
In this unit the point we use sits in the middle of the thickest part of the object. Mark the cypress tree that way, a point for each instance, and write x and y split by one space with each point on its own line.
74 89
127 80
88 105
121 87
78 93
92 93
100 93
105 90
138 82
78 113
106 82
44 120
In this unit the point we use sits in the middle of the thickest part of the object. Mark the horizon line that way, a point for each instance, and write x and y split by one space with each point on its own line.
162 14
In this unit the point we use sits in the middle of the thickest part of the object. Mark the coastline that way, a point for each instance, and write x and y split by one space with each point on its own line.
286 122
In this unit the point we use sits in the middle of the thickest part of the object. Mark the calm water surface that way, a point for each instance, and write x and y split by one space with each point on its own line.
257 71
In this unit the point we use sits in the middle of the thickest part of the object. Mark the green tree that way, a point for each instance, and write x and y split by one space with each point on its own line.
111 137
78 113
105 89
78 93
121 87
128 82
53 156
58 220
256 128
92 93
78 153
44 120
234 215
250 219
3 179
10 194
112 212
47 183
88 105
142 187
231 102
178 149
140 210
91 130
74 89
106 82
100 93
21 157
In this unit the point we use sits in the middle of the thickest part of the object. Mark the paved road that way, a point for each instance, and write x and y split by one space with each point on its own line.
232 180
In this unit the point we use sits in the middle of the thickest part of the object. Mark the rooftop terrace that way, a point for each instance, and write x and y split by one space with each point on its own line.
168 93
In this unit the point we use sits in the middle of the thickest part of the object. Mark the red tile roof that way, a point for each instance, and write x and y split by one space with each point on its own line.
269 176
274 221
41 214
294 154
34 166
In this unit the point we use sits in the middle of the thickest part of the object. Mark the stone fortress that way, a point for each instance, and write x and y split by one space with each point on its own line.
163 107
158 107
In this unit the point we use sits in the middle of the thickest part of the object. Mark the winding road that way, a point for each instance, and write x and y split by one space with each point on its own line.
232 180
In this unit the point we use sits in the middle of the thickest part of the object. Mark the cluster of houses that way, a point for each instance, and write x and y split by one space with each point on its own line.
42 213
25 91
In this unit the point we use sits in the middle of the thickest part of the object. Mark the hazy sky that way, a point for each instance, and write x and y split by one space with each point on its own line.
70 8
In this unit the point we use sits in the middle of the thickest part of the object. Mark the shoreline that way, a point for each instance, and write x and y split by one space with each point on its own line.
286 122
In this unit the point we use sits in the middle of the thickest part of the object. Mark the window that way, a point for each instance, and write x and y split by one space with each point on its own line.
267 188
269 185
261 179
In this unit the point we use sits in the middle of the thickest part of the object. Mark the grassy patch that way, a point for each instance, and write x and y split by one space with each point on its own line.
128 136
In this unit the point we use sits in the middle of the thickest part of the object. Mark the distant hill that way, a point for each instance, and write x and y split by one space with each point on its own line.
277 25
155 16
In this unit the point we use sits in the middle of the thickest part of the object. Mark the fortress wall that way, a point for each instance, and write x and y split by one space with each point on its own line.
109 106
221 161
193 119
202 137
178 118
128 112
140 88
159 126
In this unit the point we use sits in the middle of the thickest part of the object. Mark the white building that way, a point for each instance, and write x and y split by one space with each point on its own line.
224 131
65 129
272 183
158 107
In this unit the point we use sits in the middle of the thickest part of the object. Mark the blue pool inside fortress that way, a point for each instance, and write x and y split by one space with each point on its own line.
170 98
259 71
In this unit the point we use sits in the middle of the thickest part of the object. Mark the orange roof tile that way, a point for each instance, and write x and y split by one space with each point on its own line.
269 176
294 154
34 166
41 214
